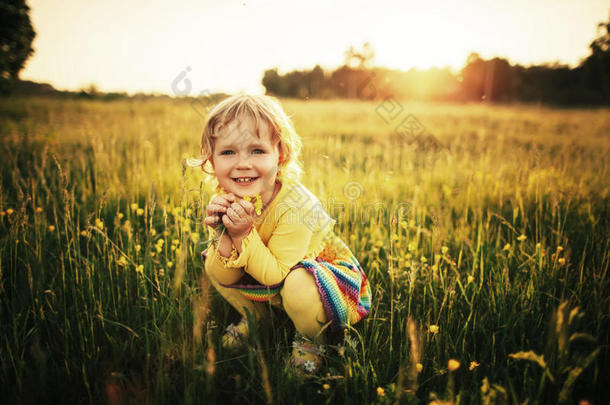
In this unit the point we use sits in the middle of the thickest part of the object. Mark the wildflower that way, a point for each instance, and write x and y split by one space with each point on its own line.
194 237
153 232
453 364
134 206
403 224
380 392
173 248
433 328
175 241
444 249
152 254
378 244
423 259
559 248
258 202
38 210
120 215
138 248
506 247
408 256
99 224
10 211
326 386
434 267
521 238
122 261
538 245
84 233
161 272
473 365
160 242
561 261
51 228
2 213
470 279
176 211
140 269
419 367
159 248
411 246
139 211
170 264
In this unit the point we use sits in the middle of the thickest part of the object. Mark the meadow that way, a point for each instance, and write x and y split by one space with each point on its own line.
483 231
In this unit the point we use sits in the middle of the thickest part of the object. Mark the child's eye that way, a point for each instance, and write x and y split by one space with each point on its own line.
226 152
258 151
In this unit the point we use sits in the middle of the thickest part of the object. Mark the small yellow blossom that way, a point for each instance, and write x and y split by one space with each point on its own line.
166 233
506 247
139 212
411 246
138 247
194 237
2 213
473 365
433 328
453 364
122 261
134 206
521 238
403 224
423 259
470 279
161 272
444 249
173 248
159 248
120 215
559 249
419 367
380 392
408 256
10 211
170 264
257 201
160 242
51 228
153 232
378 244
538 246
38 210
84 233
99 224
140 268
326 386
434 267
561 261
152 254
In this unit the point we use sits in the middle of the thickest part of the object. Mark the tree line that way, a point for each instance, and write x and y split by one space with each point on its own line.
492 80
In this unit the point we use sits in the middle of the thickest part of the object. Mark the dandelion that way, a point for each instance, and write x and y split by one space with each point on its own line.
453 364
170 264
51 228
408 256
434 267
153 232
160 242
161 272
120 215
326 386
380 392
473 365
166 233
433 328
84 233
521 238
257 201
10 211
173 248
506 247
138 247
134 206
470 279
561 261
559 248
38 210
444 250
159 248
411 246
122 261
423 259
538 246
99 224
139 211
419 367
175 241
140 269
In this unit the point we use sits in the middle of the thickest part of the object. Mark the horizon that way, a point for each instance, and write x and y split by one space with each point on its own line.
176 41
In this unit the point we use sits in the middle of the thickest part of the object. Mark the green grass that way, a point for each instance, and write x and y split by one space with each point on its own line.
93 313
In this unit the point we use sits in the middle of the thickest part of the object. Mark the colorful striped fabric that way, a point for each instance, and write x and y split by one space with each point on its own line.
341 282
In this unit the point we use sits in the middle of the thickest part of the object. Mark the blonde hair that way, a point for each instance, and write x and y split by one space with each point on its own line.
261 109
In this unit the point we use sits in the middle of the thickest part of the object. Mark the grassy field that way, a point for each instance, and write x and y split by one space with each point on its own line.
483 230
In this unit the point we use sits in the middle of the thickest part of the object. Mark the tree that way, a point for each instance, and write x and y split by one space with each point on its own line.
16 36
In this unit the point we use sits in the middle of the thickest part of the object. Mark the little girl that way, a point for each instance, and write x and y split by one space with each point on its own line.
283 250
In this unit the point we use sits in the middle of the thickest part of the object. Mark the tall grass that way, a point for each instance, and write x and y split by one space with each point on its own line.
488 246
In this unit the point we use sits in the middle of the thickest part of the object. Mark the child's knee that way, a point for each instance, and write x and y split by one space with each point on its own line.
300 293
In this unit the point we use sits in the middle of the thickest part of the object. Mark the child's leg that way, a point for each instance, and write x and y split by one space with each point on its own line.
302 303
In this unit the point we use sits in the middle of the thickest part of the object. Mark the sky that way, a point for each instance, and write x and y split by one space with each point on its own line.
192 47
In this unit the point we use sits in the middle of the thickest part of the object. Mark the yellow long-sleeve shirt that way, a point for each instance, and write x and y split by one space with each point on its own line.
291 228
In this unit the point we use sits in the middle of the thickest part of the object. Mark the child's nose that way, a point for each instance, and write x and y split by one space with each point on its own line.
244 161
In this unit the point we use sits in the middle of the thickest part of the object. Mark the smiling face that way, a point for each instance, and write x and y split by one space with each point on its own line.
244 163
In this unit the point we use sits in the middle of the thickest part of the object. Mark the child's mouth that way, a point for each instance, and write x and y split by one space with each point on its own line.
244 181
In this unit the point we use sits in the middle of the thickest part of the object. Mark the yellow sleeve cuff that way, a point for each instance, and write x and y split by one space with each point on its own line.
242 259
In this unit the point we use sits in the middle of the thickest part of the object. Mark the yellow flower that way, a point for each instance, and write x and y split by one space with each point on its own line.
433 328
159 248
153 232
561 261
173 248
470 279
152 254
122 261
83 233
444 249
120 215
161 272
538 245
2 213
403 224
221 191
506 247
378 244
326 386
134 206
138 247
194 237
411 246
160 242
175 241
408 256
166 233
434 267
140 269
380 392
170 264
38 210
559 249
99 224
257 201
419 367
521 238
139 211
51 228
453 364
423 259
10 211
473 365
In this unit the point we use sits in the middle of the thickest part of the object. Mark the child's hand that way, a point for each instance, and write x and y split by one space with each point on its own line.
217 208
239 219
